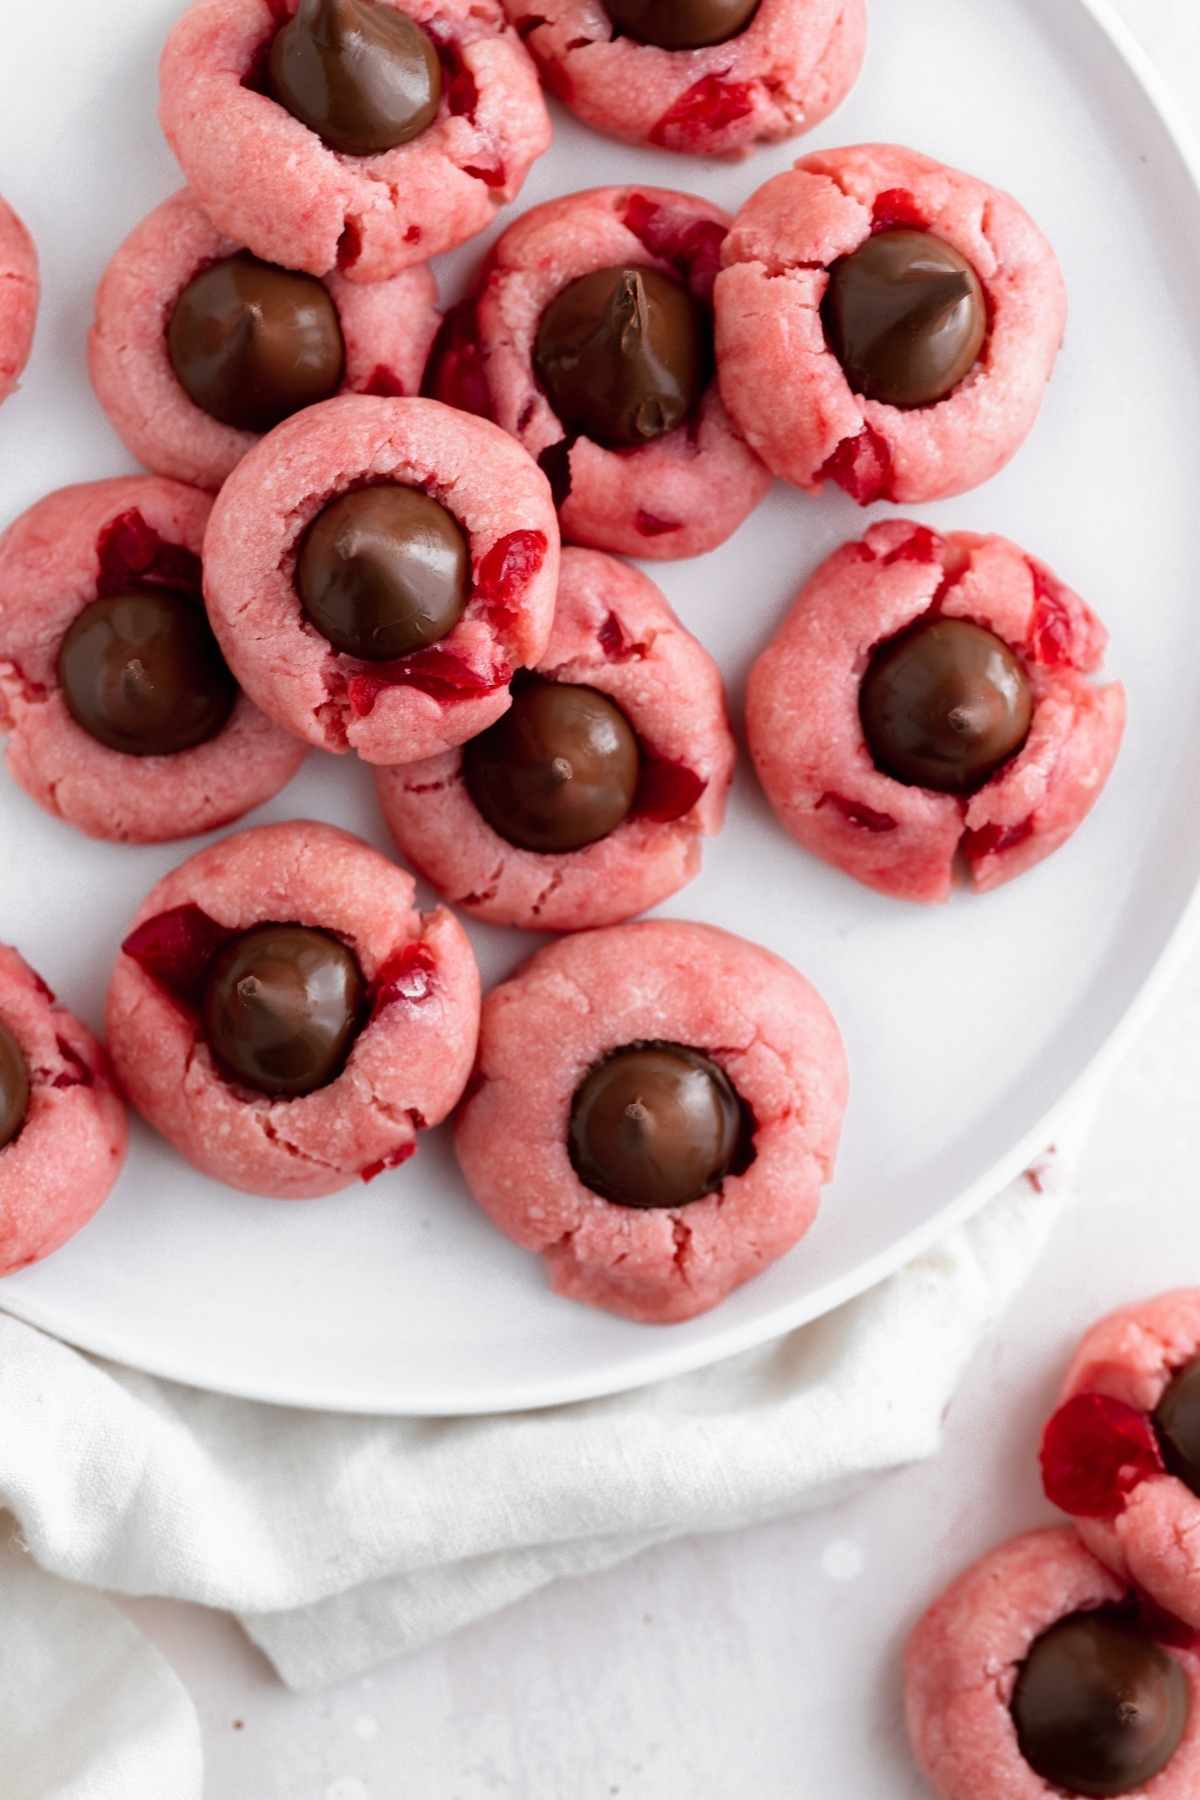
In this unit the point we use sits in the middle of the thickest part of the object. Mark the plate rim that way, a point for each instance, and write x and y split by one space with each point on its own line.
662 1361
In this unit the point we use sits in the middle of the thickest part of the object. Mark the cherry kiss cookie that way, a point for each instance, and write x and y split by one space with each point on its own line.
1037 1677
62 1123
707 77
1122 1454
358 135
655 1111
886 323
19 293
286 1018
199 348
377 570
589 800
124 718
929 695
590 340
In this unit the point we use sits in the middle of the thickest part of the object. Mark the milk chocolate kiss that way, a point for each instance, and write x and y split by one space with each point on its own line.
906 317
364 76
945 705
251 344
623 356
558 771
655 1125
1099 1708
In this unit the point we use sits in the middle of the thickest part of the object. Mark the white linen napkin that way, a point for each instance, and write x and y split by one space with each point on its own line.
340 1541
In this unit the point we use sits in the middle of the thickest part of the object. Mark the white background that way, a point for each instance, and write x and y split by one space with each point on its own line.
763 1665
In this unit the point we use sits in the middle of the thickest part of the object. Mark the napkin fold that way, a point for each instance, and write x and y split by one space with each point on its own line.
339 1541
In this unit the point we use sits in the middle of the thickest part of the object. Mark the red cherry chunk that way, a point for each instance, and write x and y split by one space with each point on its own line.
667 790
862 465
692 244
129 550
990 840
510 565
1095 1451
924 546
384 384
708 106
855 813
393 1161
897 207
651 525
175 948
615 645
441 674
408 976
458 83
77 1073
1051 635
455 374
491 174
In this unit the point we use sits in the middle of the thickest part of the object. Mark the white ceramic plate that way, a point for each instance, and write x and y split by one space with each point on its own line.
966 1026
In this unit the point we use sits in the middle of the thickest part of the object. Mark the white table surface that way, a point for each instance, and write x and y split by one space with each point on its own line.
764 1664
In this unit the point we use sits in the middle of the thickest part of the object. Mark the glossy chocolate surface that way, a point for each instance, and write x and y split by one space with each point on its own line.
558 771
282 1007
945 705
384 571
623 356
906 317
364 76
14 1087
655 1125
681 24
1099 1708
141 673
251 344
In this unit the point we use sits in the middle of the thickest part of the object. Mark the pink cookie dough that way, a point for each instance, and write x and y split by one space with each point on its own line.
270 183
436 698
19 294
964 1657
681 495
585 996
785 72
388 330
787 390
614 631
807 741
59 1169
72 547
408 1065
1152 1536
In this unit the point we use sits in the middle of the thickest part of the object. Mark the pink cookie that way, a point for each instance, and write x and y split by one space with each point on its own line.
680 495
965 1657
660 983
409 1061
19 292
786 389
613 631
270 183
438 697
75 546
60 1166
1103 1455
806 736
785 72
387 330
